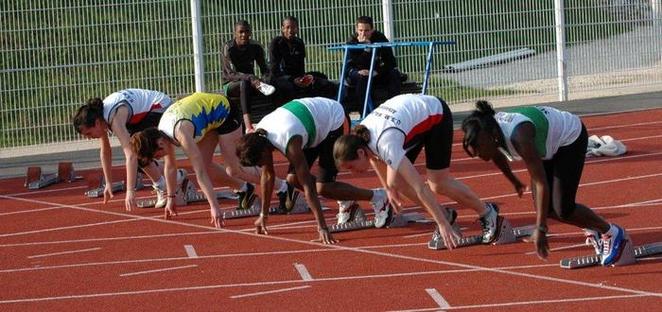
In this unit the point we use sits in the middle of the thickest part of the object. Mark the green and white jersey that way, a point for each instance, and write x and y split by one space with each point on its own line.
311 118
554 128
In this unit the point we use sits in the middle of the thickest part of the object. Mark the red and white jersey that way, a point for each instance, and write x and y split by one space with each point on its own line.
140 102
397 123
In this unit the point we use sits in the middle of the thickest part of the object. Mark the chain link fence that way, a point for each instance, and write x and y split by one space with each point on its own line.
56 54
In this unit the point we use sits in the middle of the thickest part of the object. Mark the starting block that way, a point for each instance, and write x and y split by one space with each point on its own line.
506 235
300 206
35 179
359 222
191 197
629 255
95 190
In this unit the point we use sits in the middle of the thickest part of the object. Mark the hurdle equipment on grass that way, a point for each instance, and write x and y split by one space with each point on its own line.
629 255
35 179
96 186
360 222
506 235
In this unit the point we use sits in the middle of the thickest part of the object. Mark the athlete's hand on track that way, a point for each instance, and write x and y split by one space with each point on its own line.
107 193
130 200
217 217
449 235
520 189
325 237
539 239
261 225
170 208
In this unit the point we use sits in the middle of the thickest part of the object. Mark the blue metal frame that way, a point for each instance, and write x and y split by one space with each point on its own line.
367 104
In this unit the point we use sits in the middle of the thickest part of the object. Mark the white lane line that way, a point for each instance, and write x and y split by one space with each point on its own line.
160 270
68 227
362 251
438 298
64 252
29 211
560 248
269 292
190 251
516 303
289 252
103 239
305 275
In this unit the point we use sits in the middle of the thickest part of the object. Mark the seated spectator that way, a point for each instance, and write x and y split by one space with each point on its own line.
287 54
385 72
239 57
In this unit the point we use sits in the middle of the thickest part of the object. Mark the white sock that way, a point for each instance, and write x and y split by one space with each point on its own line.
283 187
160 184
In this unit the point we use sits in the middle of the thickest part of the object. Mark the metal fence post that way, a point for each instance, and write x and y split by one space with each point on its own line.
198 57
387 12
559 19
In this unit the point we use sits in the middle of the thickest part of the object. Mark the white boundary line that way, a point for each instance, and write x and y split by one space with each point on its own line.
190 251
516 303
305 275
64 252
403 257
269 292
438 298
159 270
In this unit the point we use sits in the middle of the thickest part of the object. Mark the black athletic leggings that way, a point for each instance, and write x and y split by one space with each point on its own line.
563 172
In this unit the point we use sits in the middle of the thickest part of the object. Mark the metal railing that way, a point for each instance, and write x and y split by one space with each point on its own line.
56 54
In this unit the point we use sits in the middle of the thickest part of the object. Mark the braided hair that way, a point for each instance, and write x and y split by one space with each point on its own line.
347 146
251 147
88 114
481 119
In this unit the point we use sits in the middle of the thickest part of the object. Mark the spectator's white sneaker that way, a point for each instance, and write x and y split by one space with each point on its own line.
266 89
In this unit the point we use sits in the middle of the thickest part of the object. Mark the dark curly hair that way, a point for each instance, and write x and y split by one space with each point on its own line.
251 147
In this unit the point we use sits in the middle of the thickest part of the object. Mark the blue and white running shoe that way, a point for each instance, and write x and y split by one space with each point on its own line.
612 245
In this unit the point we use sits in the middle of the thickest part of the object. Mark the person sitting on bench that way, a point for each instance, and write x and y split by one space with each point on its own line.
385 72
239 57
287 57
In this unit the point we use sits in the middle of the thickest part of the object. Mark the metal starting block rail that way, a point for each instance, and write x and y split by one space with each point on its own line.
628 256
191 197
300 206
35 179
359 222
506 235
95 190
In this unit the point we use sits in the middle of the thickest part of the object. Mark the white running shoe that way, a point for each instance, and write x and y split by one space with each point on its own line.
593 239
161 198
347 211
489 223
612 245
382 208
266 89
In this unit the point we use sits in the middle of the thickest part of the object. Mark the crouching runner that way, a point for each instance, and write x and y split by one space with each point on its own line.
197 124
304 130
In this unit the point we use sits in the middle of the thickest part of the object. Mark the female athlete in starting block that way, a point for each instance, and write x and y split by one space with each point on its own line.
198 123
303 130
552 144
124 113
391 137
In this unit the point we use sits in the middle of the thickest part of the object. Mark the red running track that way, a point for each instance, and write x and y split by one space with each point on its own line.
62 251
